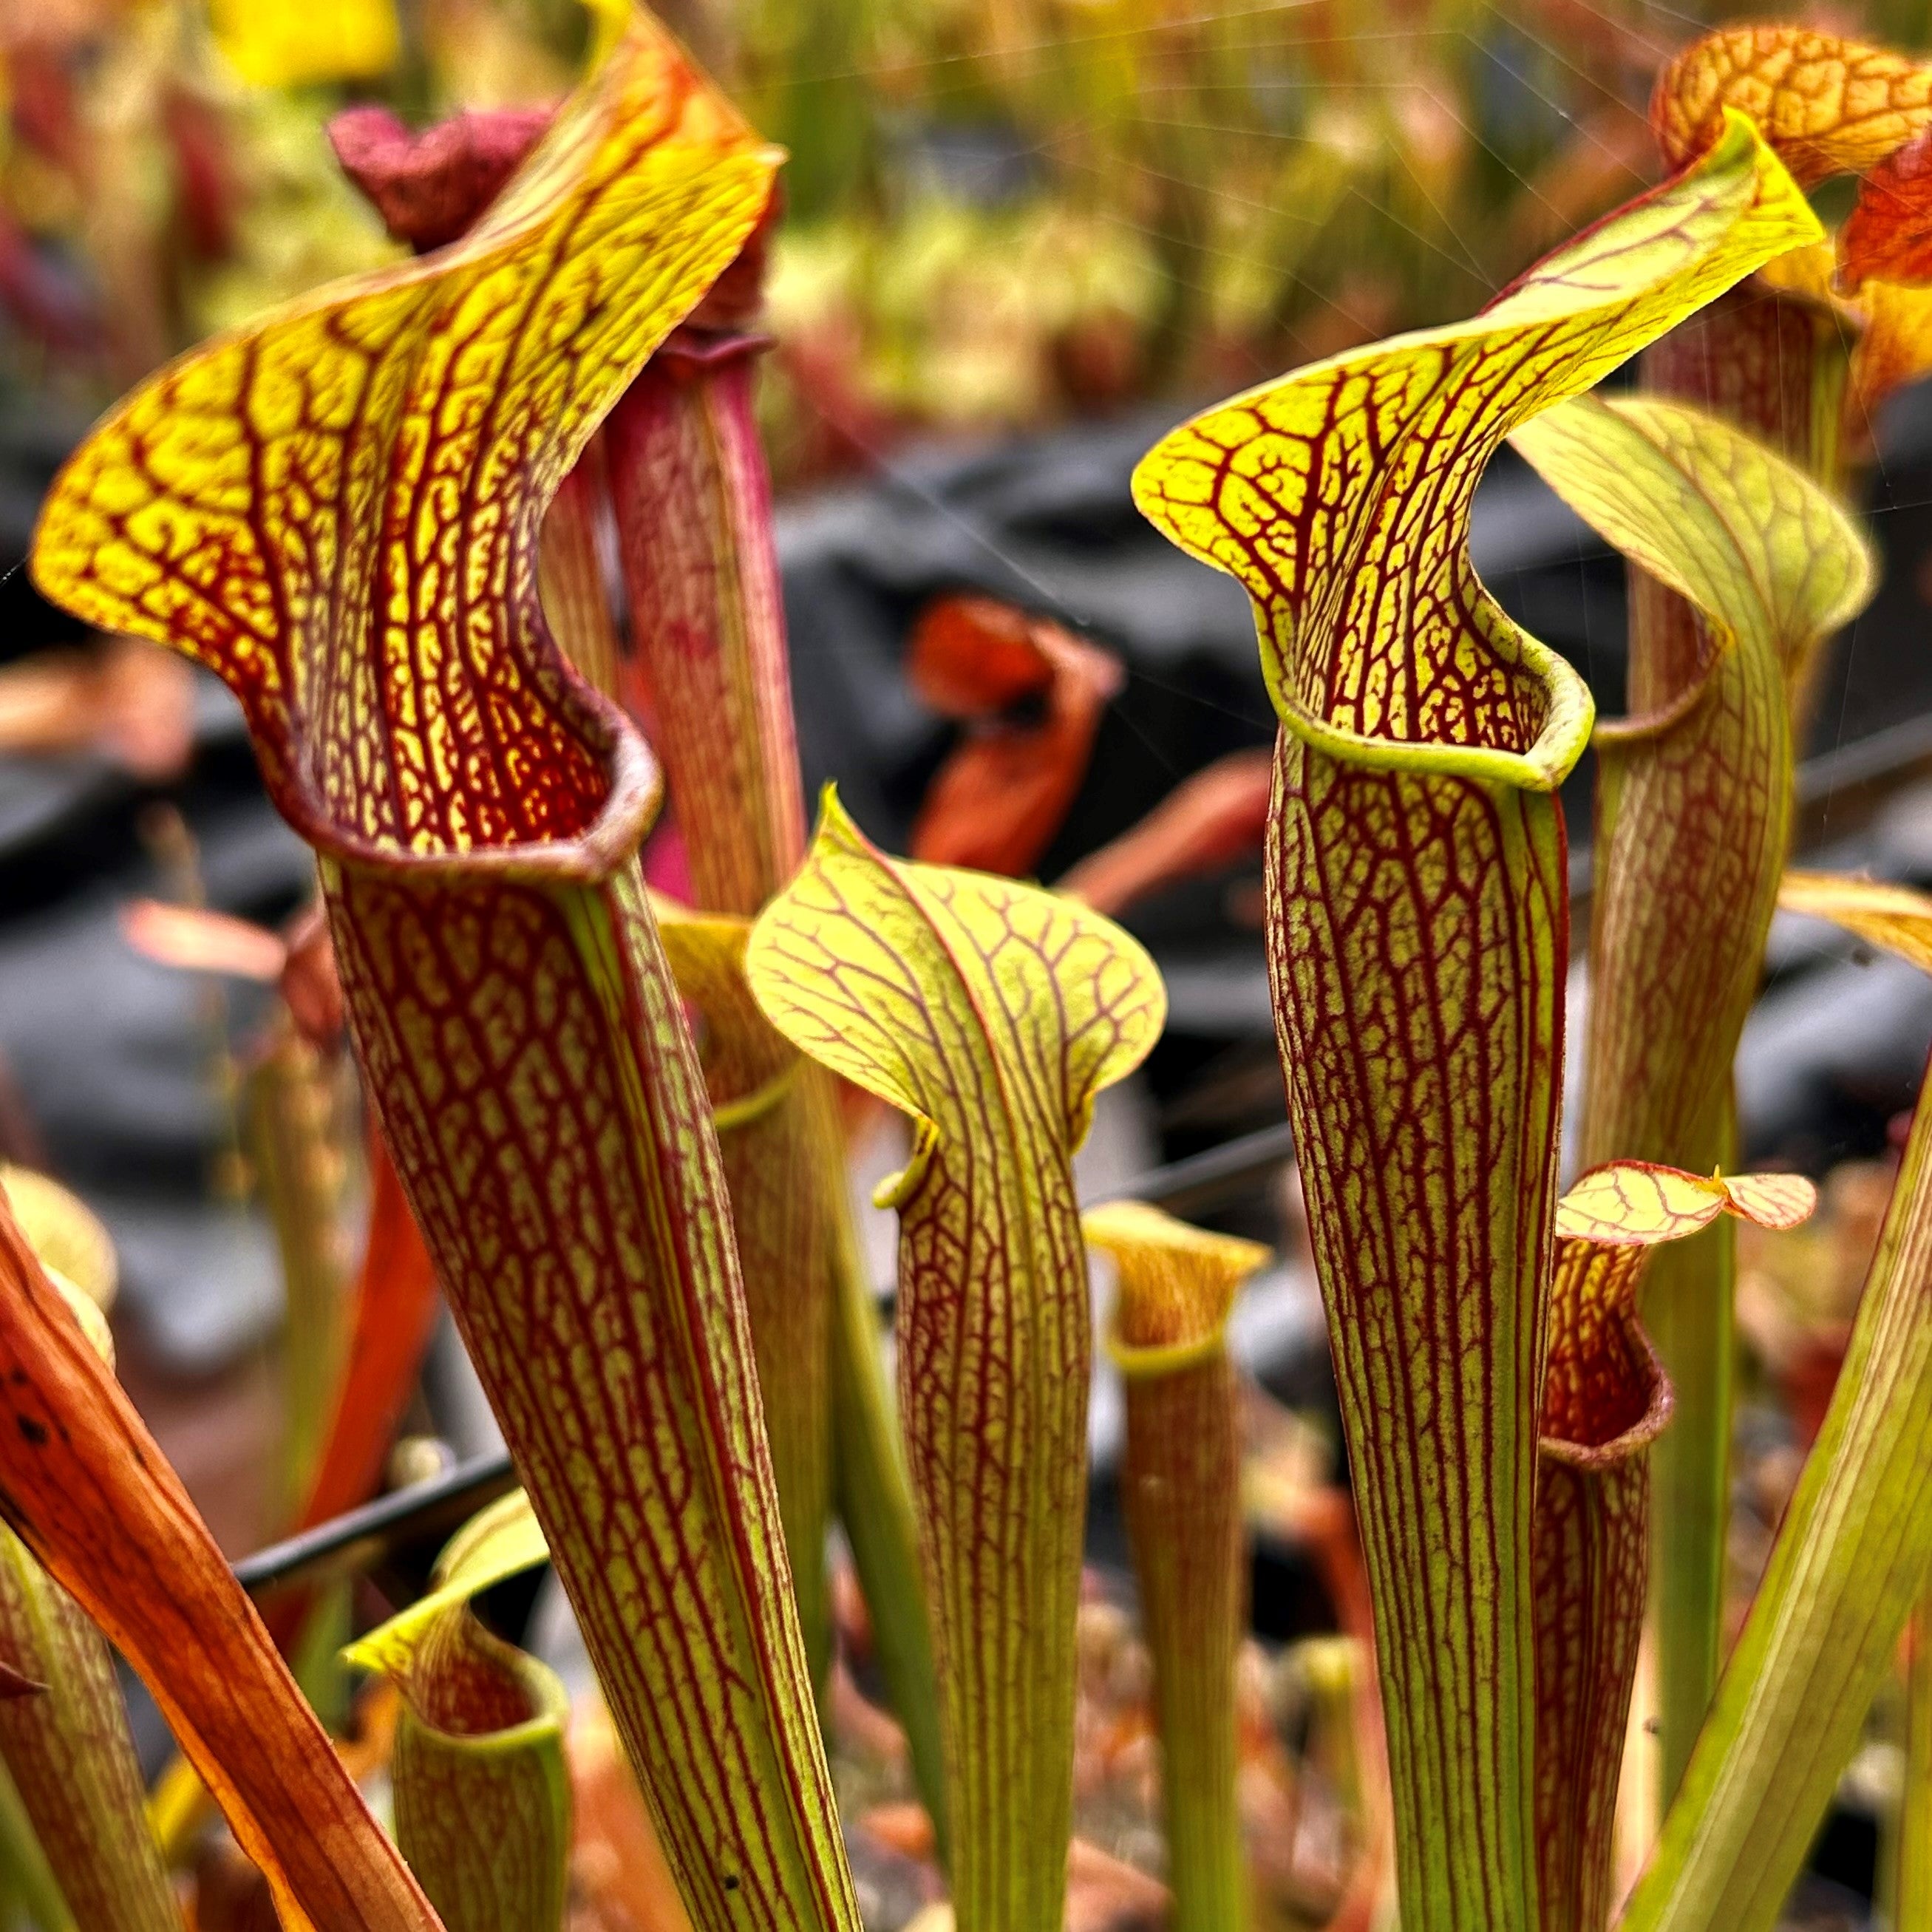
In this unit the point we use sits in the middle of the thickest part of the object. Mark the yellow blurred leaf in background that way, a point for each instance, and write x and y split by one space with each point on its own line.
301 43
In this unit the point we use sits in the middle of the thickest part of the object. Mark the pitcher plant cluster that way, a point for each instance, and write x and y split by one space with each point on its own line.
612 1121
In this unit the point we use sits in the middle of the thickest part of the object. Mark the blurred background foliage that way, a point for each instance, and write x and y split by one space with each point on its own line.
1001 213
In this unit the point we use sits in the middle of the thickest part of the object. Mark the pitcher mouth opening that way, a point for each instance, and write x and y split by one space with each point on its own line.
633 793
1569 716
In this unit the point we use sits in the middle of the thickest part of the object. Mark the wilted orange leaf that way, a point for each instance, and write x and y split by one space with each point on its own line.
121 696
88 1489
970 655
1211 820
995 804
1895 917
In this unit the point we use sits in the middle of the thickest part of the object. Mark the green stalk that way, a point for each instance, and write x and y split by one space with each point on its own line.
769 1136
72 1756
1688 1312
297 1177
1183 1476
1906 1902
874 1494
290 1111
1181 1486
27 1881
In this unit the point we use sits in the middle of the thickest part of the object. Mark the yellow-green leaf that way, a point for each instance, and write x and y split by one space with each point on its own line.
1604 1395
1635 1203
972 971
336 506
481 1783
64 1232
1770 559
992 1013
787 1178
1418 930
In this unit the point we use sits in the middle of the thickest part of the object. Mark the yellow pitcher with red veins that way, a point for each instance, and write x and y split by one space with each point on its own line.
337 509
1418 932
